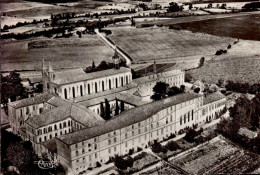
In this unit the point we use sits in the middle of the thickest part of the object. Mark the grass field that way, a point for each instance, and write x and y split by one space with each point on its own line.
148 44
63 53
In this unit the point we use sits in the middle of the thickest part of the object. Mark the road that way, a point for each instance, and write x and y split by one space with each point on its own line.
112 46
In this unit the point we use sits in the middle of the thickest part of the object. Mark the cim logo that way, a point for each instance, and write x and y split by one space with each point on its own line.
46 164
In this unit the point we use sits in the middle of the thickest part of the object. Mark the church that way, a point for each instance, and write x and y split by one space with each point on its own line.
66 123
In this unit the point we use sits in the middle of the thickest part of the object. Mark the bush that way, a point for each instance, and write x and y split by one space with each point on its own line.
157 147
172 146
98 164
139 149
123 164
190 135
131 151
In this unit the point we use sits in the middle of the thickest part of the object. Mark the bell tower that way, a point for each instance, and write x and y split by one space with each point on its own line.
44 77
116 59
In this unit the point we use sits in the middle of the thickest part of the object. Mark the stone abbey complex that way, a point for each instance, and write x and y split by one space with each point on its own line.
67 121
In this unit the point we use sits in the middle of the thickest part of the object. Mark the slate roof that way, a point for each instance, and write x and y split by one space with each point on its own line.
79 113
31 101
213 97
126 118
76 75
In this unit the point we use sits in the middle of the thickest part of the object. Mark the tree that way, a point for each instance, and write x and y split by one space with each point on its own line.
174 7
190 135
117 108
122 163
201 63
5 28
174 91
102 110
190 6
182 88
188 77
161 89
11 87
197 90
220 82
107 111
122 106
93 65
172 146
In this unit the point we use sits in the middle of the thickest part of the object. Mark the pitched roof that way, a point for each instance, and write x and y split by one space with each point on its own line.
215 96
76 75
57 101
74 111
122 120
31 101
50 145
131 99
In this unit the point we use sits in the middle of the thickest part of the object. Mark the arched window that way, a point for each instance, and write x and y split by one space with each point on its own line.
65 94
50 136
103 86
88 88
122 81
96 87
116 83
81 90
68 123
55 127
40 139
109 82
60 132
64 124
45 138
60 126
56 134
126 79
73 92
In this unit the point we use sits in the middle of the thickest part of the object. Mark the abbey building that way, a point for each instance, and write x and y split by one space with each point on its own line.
68 120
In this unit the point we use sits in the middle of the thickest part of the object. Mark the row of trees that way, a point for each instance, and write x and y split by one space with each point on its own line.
242 87
162 90
103 65
20 24
105 109
62 27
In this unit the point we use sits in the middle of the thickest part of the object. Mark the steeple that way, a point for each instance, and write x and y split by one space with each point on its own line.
50 68
50 72
116 59
154 67
43 65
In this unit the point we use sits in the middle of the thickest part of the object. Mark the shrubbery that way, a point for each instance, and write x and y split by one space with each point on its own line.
122 163
172 146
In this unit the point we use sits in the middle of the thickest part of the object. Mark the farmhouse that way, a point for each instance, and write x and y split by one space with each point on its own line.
66 122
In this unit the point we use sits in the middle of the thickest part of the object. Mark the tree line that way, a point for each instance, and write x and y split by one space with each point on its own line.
244 114
243 87
106 112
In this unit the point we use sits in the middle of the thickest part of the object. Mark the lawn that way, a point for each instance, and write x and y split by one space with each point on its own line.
63 53
148 44
217 158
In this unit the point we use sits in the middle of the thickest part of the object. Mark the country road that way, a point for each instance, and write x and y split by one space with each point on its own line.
111 45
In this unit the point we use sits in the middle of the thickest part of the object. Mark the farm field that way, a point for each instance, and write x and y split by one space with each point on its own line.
235 69
241 63
63 53
149 44
219 157
235 27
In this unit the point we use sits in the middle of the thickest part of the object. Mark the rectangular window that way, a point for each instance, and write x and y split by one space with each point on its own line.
181 120
126 144
184 118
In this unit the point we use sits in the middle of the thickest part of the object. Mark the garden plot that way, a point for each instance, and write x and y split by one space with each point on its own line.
216 158
143 161
148 44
